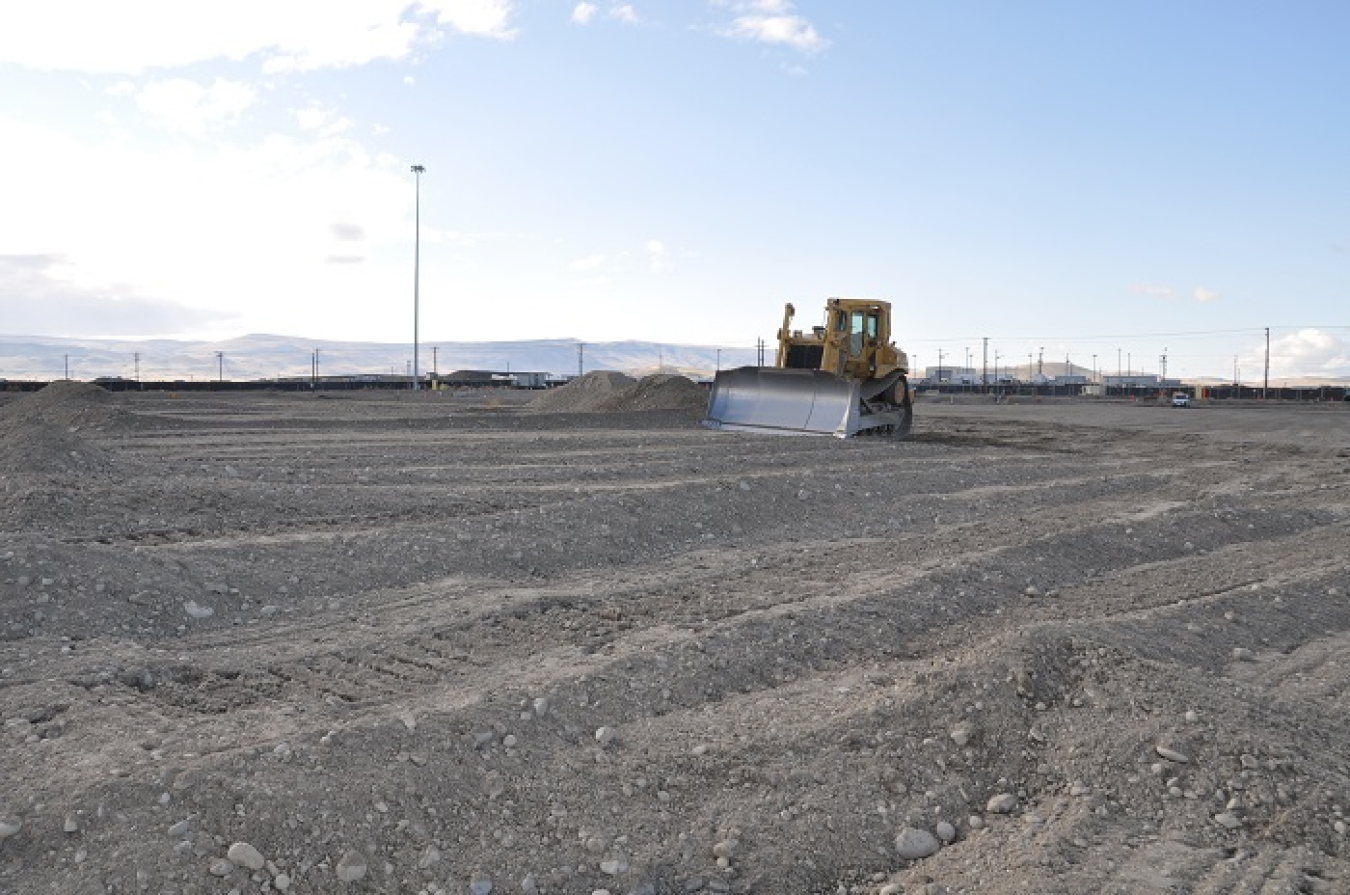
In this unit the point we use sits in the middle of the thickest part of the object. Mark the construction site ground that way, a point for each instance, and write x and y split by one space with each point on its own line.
455 643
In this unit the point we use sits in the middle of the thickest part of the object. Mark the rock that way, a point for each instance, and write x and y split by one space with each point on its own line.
351 867
281 882
9 826
613 866
1242 654
221 867
180 829
71 825
245 855
912 843
480 885
605 735
1003 803
725 849
961 735
1228 820
1172 754
945 831
197 610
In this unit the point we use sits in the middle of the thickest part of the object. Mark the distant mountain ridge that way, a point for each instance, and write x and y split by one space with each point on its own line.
265 356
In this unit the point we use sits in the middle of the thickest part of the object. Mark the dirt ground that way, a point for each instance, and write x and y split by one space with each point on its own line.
456 644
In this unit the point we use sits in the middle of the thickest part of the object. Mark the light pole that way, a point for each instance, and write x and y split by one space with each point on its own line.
417 170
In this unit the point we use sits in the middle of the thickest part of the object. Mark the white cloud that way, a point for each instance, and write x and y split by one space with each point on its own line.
657 256
624 13
134 36
1154 291
1205 296
487 18
773 22
584 13
589 263
321 120
1309 352
181 106
196 238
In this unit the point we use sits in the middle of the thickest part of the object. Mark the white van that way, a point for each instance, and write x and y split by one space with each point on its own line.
1181 399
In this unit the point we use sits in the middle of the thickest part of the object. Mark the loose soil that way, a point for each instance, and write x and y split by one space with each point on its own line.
426 643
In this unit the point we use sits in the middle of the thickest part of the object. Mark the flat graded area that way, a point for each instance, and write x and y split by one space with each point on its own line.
431 644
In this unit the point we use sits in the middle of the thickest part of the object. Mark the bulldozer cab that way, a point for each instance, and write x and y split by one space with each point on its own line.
856 331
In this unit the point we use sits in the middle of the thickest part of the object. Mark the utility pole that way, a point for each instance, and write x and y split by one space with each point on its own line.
436 363
220 359
1118 366
314 370
719 360
581 354
67 376
984 367
939 382
137 356
1265 382
417 170
1164 366
1040 361
1094 368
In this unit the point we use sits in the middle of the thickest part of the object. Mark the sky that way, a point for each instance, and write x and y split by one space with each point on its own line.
1089 181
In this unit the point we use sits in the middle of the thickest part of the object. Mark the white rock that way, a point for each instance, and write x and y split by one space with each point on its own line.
1228 820
1003 803
71 825
945 831
605 735
221 867
9 826
614 866
912 844
197 610
1172 754
281 882
960 735
1242 654
351 867
245 855
541 706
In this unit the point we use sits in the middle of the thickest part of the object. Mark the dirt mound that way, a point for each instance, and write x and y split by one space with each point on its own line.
585 393
38 448
660 391
40 434
70 405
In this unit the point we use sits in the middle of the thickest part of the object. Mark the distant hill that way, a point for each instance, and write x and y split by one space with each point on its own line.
271 356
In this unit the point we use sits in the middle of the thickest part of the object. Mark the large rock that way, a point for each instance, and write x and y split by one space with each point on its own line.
912 843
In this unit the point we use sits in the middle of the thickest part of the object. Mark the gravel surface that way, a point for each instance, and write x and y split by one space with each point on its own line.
458 644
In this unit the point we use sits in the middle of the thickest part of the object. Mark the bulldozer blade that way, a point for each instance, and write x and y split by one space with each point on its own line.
776 401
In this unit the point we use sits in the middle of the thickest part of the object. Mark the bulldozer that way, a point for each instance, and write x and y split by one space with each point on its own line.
844 378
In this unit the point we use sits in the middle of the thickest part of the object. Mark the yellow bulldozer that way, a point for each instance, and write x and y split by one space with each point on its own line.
843 378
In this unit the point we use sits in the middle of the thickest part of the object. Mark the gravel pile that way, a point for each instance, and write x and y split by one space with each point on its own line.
659 391
585 393
43 433
609 392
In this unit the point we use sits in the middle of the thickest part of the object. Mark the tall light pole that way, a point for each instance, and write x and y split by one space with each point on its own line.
417 170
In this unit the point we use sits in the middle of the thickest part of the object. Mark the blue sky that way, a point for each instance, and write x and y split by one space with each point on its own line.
1074 178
